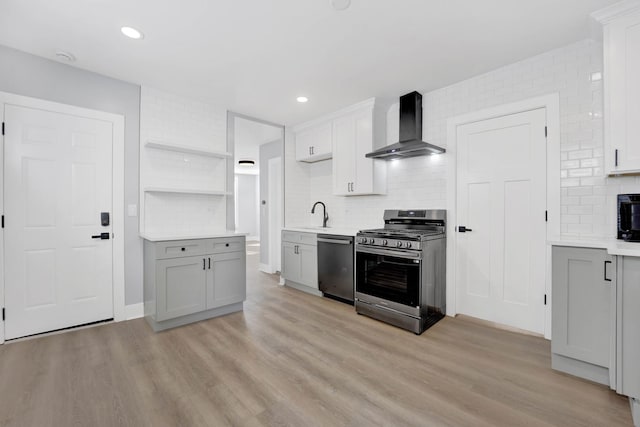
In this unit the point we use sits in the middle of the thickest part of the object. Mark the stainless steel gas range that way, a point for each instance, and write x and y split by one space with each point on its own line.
400 269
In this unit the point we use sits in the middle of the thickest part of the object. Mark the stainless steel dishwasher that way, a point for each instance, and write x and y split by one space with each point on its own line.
335 266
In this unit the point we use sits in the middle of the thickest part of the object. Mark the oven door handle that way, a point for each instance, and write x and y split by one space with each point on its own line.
390 252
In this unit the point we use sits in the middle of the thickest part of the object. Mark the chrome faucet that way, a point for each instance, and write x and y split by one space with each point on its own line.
325 217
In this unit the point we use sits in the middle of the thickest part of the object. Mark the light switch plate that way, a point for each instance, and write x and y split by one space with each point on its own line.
132 210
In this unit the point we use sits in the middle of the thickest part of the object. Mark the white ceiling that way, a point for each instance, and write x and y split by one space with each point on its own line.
256 56
248 137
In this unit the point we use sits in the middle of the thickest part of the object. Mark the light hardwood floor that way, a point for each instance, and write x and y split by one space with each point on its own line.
294 359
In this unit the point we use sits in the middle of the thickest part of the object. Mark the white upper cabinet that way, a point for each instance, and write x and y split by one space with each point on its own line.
353 138
347 136
313 143
621 89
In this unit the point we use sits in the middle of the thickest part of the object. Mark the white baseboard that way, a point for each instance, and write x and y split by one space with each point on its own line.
281 281
134 311
635 411
266 268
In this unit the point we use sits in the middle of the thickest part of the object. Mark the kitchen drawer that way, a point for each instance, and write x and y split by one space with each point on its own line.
297 237
233 244
180 248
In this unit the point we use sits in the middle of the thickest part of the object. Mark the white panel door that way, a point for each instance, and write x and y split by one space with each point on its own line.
58 180
502 200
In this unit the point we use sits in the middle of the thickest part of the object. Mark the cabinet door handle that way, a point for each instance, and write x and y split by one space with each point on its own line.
309 150
605 271
209 263
204 264
616 158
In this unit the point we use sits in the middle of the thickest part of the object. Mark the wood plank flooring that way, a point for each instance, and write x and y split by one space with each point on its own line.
292 359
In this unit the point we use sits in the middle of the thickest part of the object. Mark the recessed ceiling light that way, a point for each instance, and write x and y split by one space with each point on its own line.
302 99
340 4
65 56
131 33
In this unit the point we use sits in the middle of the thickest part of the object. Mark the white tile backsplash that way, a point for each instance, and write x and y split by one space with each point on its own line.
587 197
184 121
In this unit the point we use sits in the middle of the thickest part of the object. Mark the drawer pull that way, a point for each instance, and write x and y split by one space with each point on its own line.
226 244
183 249
605 271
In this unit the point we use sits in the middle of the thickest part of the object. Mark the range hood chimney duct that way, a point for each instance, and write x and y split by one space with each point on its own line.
410 143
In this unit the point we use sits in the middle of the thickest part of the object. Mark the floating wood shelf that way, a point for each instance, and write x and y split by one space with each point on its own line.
161 145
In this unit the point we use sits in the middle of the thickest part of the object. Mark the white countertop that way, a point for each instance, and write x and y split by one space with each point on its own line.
323 230
613 246
171 237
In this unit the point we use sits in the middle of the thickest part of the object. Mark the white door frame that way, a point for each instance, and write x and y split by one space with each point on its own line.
551 103
231 138
275 215
117 122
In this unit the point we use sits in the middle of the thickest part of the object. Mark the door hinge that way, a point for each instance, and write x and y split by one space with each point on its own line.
545 299
545 132
546 216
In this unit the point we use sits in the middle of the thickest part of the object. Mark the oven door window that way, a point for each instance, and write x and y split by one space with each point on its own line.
392 278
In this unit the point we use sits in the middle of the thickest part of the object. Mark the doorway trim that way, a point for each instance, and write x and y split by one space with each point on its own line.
117 121
231 140
551 104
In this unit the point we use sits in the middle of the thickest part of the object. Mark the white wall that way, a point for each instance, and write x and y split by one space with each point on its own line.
587 196
177 119
30 75
268 151
247 205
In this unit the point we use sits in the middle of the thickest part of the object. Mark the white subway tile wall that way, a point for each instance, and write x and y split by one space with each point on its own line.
184 121
588 197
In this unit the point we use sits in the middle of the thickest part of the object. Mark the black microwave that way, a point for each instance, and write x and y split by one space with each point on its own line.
629 217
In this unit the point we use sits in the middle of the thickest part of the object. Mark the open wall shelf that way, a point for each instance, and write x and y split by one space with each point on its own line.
167 146
186 191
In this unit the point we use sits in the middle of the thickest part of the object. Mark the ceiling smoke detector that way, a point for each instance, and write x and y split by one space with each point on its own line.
65 56
340 4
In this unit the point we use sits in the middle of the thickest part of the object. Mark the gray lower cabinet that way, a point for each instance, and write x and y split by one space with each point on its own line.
628 320
226 279
583 323
180 287
300 258
192 280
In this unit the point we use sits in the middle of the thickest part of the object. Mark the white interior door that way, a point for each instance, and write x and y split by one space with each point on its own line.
58 180
275 212
501 190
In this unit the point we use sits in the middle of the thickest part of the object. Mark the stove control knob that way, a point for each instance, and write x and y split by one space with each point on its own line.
385 243
363 240
407 245
399 244
372 241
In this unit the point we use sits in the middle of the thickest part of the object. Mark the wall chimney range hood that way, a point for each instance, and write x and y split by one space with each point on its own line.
411 143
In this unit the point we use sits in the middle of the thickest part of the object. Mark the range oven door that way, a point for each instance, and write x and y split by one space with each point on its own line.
389 274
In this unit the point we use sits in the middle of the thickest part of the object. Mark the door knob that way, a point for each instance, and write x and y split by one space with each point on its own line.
463 229
101 236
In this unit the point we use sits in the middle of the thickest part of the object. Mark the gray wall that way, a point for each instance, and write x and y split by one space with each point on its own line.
267 151
28 75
